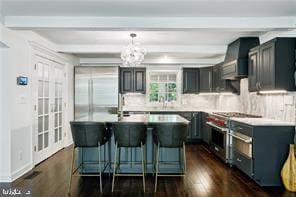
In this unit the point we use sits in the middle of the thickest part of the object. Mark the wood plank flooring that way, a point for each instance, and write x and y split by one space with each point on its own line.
206 176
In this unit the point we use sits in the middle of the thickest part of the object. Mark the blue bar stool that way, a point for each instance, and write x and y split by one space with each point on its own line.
89 134
169 135
133 135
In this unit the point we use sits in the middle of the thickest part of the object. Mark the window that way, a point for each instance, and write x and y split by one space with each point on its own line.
163 87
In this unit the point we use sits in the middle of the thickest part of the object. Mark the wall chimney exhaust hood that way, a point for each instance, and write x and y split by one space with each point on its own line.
236 59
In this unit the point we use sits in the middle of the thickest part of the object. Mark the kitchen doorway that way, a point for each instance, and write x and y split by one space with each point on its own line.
48 79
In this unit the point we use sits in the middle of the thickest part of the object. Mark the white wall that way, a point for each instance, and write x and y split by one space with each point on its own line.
16 130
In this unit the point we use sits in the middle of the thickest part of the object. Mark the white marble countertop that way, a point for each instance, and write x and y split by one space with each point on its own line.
263 122
145 118
177 110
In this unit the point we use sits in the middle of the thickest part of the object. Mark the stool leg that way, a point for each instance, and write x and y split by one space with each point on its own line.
145 158
71 169
100 166
153 158
143 166
157 168
109 156
118 159
114 166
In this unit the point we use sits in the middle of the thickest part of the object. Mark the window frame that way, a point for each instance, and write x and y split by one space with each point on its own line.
167 71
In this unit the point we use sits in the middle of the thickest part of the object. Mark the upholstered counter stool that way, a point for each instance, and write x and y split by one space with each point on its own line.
169 135
129 135
87 134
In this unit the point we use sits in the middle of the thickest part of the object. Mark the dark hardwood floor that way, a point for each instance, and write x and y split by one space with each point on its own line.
206 176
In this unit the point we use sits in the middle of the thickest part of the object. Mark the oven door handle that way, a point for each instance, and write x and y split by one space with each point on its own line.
249 141
215 126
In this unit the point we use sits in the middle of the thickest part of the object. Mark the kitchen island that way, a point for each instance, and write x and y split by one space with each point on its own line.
130 159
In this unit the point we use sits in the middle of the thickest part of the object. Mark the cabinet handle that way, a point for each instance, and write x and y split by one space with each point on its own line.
239 160
260 85
257 86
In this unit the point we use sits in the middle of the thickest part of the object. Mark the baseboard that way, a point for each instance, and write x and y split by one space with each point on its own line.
68 143
21 171
5 179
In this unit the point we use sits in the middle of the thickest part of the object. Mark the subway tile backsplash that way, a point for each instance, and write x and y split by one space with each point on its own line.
280 107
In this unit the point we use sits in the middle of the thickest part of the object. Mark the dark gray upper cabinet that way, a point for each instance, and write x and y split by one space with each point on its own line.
216 78
236 59
190 80
205 79
139 80
253 68
126 80
132 80
272 65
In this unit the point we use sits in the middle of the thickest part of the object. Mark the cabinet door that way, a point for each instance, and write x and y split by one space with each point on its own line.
205 76
205 129
195 130
190 80
267 68
126 80
253 69
140 80
216 78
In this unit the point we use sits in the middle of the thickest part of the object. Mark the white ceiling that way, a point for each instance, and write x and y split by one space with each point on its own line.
193 37
146 8
161 39
81 27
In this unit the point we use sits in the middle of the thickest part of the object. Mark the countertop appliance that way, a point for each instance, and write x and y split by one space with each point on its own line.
220 133
96 92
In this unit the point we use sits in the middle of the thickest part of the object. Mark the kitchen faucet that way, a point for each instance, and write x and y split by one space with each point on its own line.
162 100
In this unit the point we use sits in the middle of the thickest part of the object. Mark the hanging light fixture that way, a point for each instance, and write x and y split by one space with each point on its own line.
133 54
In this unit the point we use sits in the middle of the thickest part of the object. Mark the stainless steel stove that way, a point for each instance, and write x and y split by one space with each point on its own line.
219 123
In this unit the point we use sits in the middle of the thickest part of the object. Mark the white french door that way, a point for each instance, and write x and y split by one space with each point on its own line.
48 109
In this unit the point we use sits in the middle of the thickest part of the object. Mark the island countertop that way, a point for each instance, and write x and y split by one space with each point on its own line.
145 118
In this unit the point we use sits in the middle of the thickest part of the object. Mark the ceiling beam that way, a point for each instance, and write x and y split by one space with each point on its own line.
202 49
147 23
191 62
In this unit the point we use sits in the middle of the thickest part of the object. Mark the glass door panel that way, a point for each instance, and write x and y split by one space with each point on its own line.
48 119
42 107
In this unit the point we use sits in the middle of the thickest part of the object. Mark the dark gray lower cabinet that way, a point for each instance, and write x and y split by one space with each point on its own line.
205 129
266 152
193 130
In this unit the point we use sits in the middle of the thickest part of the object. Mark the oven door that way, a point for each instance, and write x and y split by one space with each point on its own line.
218 140
241 143
242 152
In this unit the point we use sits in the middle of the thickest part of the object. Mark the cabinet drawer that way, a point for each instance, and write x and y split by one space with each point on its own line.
241 128
243 163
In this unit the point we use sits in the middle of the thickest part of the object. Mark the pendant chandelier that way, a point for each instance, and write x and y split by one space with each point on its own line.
133 54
